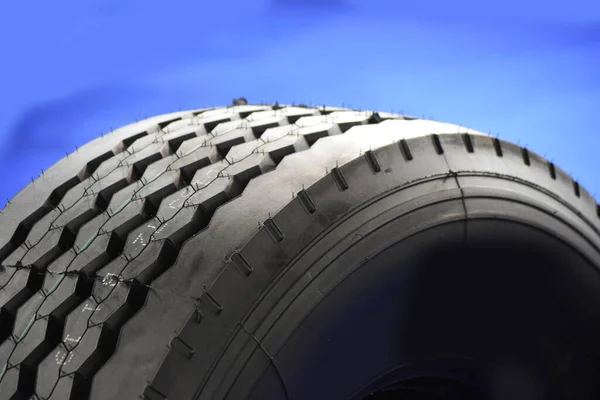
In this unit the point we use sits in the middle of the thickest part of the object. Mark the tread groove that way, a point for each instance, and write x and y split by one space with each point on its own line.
274 230
375 118
306 202
161 125
169 247
525 155
242 264
93 165
468 142
437 144
174 144
53 200
125 143
552 170
339 179
214 304
497 147
405 150
372 161
139 287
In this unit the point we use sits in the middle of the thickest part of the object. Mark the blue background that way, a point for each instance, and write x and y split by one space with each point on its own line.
528 71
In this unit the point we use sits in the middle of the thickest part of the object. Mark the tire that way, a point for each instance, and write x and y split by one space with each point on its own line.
269 252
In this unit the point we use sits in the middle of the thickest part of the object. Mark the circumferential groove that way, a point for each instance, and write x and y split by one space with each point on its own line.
552 170
405 150
274 230
576 188
339 179
437 145
525 155
497 147
372 161
242 264
306 202
467 141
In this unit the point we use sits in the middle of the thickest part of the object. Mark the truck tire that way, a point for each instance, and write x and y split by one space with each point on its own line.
291 252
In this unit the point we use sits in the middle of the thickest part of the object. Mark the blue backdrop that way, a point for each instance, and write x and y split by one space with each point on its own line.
528 71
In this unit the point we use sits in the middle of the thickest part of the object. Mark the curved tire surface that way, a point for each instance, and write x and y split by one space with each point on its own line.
175 257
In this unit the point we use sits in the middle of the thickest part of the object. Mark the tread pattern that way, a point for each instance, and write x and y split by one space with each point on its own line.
104 235
76 270
261 258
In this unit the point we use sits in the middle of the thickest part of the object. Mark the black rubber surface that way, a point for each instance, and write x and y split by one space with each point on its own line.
195 256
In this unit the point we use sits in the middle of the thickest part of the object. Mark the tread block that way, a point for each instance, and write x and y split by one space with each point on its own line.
313 120
142 144
159 187
8 384
226 140
107 167
5 349
291 113
118 178
168 228
171 205
89 231
278 132
175 124
76 193
49 385
86 344
113 301
210 197
137 169
16 255
83 210
145 262
93 165
284 146
217 188
209 122
187 165
78 320
126 218
314 132
94 256
347 119
59 289
206 175
240 151
56 242
128 142
63 263
42 227
168 310
250 167
29 331
259 126
141 236
170 146
18 283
